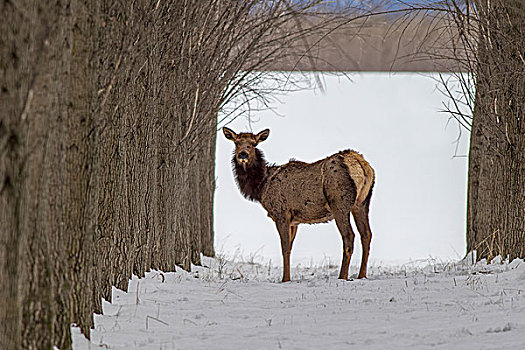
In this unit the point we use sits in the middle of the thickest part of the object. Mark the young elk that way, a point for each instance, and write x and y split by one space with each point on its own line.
310 193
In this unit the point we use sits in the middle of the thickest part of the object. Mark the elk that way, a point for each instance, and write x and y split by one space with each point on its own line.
307 193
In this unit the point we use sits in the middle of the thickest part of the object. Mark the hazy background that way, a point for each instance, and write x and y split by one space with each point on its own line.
395 121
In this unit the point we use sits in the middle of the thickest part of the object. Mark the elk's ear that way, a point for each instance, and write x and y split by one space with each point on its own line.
230 135
263 135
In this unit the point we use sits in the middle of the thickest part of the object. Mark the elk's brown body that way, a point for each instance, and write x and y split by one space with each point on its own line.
298 192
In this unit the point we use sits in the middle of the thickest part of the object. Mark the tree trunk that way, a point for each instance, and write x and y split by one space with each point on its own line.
81 166
13 97
207 195
35 59
496 193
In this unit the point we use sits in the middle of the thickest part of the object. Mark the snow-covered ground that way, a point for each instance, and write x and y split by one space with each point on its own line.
242 305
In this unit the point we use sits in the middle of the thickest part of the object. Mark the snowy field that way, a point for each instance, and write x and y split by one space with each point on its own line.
242 305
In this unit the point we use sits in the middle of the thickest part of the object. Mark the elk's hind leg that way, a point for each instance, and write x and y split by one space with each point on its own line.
363 226
293 232
340 192
342 220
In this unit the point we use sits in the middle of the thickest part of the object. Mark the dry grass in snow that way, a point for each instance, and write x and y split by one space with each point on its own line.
241 304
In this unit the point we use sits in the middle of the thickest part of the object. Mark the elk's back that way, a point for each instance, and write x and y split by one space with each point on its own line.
298 189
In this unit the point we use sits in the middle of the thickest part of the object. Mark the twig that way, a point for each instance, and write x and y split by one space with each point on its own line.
194 113
154 319
190 321
27 105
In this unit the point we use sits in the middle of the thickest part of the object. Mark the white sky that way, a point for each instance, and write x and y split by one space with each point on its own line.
419 202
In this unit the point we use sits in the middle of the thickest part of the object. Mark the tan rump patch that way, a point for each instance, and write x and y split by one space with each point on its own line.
361 172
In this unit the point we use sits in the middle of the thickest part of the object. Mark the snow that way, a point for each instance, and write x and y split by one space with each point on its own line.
240 304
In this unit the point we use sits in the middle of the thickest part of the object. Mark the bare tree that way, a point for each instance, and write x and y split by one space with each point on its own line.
488 99
496 193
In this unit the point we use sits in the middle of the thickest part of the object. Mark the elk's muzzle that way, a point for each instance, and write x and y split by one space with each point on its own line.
242 158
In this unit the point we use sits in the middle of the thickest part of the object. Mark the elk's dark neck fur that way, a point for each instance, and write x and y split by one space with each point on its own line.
251 180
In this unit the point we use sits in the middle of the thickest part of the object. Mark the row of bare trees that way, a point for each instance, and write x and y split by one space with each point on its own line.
107 143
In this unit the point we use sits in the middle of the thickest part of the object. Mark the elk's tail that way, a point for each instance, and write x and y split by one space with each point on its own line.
361 173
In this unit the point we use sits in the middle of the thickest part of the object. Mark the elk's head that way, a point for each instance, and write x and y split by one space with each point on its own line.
245 145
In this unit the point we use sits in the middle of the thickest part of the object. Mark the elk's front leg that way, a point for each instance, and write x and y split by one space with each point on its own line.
286 246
